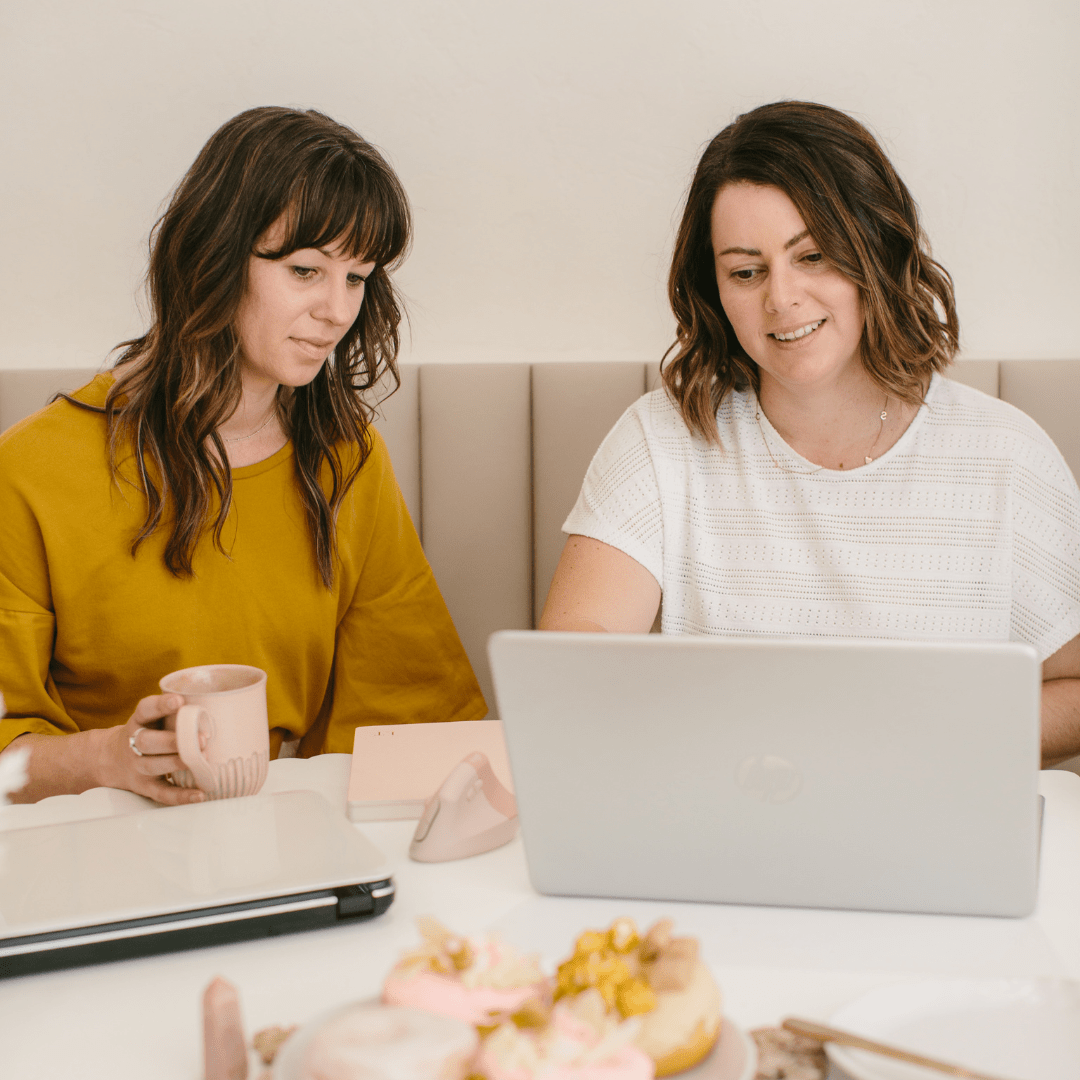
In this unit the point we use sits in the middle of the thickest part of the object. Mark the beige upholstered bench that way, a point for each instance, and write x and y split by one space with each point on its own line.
490 458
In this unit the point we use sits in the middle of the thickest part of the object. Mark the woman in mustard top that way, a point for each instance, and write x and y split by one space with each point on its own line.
219 496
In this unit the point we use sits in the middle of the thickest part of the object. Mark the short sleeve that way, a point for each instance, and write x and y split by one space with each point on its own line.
1045 509
619 503
398 658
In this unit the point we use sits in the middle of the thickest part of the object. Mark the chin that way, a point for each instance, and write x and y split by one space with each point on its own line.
296 377
811 366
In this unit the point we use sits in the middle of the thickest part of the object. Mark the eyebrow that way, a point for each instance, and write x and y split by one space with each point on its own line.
331 255
754 251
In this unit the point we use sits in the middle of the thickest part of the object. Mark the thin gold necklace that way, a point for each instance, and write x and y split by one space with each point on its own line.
884 416
252 434
867 457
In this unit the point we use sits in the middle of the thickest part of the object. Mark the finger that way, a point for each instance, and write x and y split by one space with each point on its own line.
149 742
159 765
155 707
168 794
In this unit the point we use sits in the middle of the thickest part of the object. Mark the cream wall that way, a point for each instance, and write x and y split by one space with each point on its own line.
545 146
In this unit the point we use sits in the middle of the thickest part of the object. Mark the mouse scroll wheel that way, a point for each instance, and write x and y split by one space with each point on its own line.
431 811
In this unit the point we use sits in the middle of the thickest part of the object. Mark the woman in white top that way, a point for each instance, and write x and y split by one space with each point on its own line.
805 469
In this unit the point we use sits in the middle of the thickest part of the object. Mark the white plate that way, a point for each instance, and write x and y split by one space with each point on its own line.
733 1058
1016 1029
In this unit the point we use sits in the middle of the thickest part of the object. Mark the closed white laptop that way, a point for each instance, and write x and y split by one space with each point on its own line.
888 776
182 877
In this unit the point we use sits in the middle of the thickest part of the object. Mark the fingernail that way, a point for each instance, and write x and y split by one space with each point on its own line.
197 796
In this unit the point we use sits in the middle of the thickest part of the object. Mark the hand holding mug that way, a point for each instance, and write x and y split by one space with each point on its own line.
137 756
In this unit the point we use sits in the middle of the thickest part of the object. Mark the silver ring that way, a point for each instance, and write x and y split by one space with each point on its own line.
131 743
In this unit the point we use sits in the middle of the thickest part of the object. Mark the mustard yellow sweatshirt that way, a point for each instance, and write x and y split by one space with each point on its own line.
86 630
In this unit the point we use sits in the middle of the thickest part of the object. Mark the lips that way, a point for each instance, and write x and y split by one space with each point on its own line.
318 350
796 333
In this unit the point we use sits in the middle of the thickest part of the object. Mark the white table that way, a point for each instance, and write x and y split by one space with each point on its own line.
140 1018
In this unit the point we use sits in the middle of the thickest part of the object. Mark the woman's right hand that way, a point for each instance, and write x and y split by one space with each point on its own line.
136 756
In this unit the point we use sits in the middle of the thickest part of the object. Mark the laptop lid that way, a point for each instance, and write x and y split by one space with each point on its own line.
182 877
847 774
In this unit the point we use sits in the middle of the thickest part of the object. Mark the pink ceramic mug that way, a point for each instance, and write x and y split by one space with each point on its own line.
226 705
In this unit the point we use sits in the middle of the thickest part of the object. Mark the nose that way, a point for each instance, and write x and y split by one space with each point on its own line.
782 292
337 304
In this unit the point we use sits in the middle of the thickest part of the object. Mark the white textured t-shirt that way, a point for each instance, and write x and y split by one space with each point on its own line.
967 529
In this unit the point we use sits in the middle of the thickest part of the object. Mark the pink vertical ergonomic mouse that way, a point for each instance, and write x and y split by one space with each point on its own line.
472 812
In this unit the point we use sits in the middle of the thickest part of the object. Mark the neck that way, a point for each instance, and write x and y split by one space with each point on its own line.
836 426
253 432
257 405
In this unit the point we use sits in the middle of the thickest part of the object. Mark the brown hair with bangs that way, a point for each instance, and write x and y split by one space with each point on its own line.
863 219
181 379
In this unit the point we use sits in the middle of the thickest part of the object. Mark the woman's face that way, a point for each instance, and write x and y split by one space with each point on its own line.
798 318
295 310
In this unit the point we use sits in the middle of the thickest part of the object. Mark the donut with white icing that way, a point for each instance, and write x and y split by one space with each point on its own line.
386 1042
579 1041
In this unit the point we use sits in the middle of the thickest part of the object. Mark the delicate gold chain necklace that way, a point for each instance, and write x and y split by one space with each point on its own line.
867 457
252 434
884 416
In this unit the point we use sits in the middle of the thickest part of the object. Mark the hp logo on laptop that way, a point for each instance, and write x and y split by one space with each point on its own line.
769 779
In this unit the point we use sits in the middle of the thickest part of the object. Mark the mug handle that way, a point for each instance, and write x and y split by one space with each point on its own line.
187 745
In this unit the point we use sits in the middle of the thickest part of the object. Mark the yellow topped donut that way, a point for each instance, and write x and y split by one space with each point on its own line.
659 978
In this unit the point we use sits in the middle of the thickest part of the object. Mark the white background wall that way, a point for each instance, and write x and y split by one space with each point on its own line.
546 147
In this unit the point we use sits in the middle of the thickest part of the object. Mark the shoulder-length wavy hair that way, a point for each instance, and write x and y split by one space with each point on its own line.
866 224
181 379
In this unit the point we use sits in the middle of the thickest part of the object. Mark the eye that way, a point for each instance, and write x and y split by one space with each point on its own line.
303 272
813 257
356 280
746 274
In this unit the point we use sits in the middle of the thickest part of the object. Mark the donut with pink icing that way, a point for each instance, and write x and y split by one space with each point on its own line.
480 982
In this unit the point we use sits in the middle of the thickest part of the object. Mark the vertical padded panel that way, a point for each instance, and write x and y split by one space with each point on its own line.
1048 391
24 392
982 374
574 406
476 503
397 419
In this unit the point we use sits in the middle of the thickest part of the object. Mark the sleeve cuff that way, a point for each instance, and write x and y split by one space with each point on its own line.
11 729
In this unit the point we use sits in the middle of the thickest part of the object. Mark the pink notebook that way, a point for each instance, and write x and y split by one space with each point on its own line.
397 768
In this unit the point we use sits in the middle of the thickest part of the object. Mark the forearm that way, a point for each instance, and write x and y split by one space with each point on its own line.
554 620
1060 720
137 756
59 764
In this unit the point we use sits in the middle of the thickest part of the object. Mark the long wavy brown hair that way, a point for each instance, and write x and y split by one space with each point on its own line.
866 224
181 380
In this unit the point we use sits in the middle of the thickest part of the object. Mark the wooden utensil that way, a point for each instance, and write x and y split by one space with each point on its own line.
845 1038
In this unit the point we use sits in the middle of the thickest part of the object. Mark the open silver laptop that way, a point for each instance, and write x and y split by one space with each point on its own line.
182 877
844 774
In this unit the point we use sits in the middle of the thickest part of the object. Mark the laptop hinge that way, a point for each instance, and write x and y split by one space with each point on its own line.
358 900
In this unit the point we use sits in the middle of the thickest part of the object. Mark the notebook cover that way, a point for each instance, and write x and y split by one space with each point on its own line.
398 767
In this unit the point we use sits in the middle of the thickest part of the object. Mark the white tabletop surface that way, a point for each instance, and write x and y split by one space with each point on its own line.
141 1018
